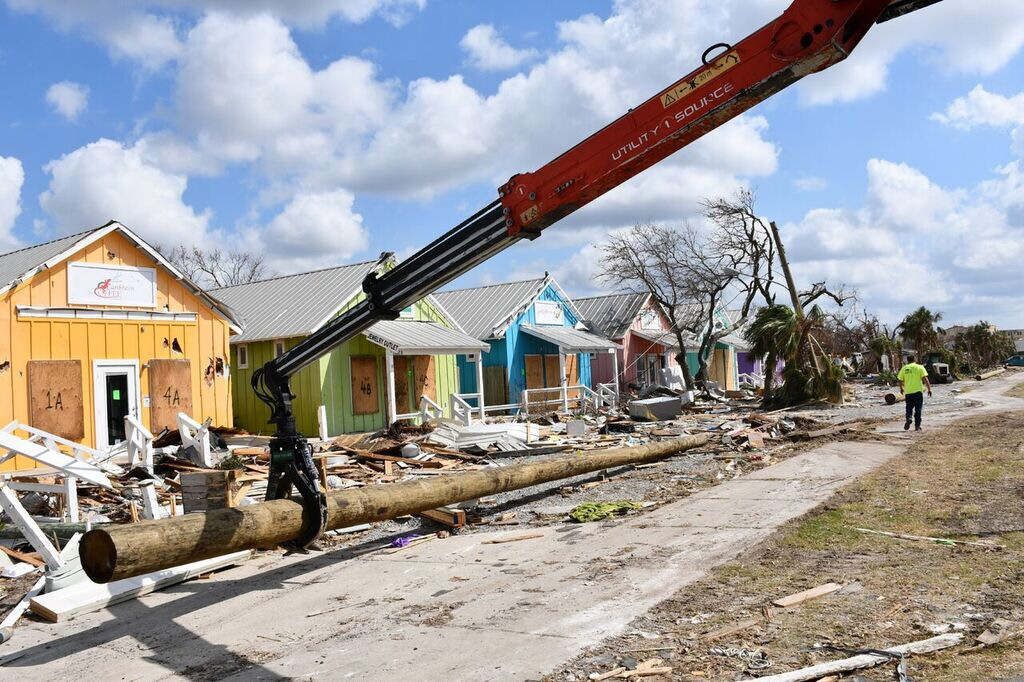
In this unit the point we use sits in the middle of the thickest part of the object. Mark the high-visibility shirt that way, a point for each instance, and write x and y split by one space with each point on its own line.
912 375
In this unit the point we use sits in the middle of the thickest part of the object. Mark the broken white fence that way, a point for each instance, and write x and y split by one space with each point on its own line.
197 437
584 399
43 448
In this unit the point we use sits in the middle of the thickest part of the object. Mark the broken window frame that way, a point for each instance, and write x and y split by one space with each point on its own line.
242 354
278 348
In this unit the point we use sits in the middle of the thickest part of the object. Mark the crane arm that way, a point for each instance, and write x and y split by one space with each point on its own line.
809 36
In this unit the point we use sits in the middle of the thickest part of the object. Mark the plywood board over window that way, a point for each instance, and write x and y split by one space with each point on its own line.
364 385
403 400
426 381
170 392
55 397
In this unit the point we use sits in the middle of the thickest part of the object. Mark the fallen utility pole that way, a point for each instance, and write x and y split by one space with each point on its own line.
124 551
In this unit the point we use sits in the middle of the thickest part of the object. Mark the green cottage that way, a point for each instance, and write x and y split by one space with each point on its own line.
366 383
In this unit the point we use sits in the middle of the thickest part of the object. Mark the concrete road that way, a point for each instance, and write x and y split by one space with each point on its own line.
451 609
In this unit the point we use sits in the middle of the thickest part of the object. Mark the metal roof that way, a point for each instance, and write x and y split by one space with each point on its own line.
408 337
612 315
16 265
480 311
665 338
569 339
293 305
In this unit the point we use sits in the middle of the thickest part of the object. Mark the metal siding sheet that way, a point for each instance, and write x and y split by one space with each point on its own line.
572 340
293 305
408 337
479 310
611 316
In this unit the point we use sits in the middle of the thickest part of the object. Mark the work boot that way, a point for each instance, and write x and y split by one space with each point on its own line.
906 427
917 428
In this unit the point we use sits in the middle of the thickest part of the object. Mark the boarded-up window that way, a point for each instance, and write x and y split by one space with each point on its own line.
426 381
55 397
572 368
534 371
403 397
170 392
495 385
364 385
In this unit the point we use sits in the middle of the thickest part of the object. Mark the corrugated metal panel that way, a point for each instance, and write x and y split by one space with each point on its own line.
406 337
16 263
569 339
293 305
666 338
611 316
479 310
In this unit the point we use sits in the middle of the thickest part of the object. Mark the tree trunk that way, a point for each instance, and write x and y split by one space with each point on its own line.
685 368
770 362
125 551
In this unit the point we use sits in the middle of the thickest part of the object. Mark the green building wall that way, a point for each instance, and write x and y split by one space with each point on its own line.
328 381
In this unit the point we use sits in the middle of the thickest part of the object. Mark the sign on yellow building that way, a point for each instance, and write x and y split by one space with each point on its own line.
98 325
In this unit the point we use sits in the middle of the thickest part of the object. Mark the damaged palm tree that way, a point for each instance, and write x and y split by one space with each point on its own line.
779 333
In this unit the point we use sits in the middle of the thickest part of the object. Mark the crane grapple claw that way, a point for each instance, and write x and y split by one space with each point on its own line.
291 464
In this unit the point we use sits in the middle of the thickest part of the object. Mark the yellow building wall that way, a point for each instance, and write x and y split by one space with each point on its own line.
24 339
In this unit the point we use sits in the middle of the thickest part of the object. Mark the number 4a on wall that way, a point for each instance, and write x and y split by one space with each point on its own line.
172 398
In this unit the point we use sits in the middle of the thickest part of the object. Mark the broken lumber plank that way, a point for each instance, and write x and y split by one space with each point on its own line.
86 597
925 538
122 551
426 463
512 538
729 630
807 595
32 558
453 518
816 672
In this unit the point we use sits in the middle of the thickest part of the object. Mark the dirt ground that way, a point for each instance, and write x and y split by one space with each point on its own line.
964 482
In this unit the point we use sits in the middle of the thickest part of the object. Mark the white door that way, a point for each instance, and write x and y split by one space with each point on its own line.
115 396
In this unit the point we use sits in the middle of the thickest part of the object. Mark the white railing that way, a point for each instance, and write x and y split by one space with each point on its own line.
609 394
461 411
752 378
562 400
429 409
140 443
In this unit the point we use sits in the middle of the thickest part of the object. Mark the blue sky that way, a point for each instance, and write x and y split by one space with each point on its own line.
324 131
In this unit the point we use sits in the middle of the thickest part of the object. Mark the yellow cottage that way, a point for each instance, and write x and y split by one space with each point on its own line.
98 325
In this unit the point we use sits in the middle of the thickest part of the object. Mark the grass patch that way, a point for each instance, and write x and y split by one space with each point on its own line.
964 482
1017 391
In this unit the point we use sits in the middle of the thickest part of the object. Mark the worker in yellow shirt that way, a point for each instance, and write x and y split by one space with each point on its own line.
913 379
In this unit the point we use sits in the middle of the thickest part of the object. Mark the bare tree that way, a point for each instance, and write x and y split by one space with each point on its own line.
645 259
216 268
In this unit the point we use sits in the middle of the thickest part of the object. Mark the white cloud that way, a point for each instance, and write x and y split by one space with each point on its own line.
810 183
983 108
914 242
314 230
125 28
68 99
487 50
956 37
104 180
12 176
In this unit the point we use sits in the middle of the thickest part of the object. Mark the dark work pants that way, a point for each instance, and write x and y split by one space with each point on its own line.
915 401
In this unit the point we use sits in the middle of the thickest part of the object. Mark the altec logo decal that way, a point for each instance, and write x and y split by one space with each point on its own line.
718 67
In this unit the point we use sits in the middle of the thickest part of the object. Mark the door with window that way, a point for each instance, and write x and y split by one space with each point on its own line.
116 395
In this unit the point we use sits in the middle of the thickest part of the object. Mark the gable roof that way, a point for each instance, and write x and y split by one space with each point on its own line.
18 266
293 305
612 315
480 311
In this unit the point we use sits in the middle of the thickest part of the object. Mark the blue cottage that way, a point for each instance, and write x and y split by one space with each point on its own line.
536 341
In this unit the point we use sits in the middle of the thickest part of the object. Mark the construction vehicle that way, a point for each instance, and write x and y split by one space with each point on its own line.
811 35
938 369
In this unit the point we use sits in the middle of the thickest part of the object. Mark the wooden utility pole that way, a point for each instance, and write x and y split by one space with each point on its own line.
124 551
794 294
